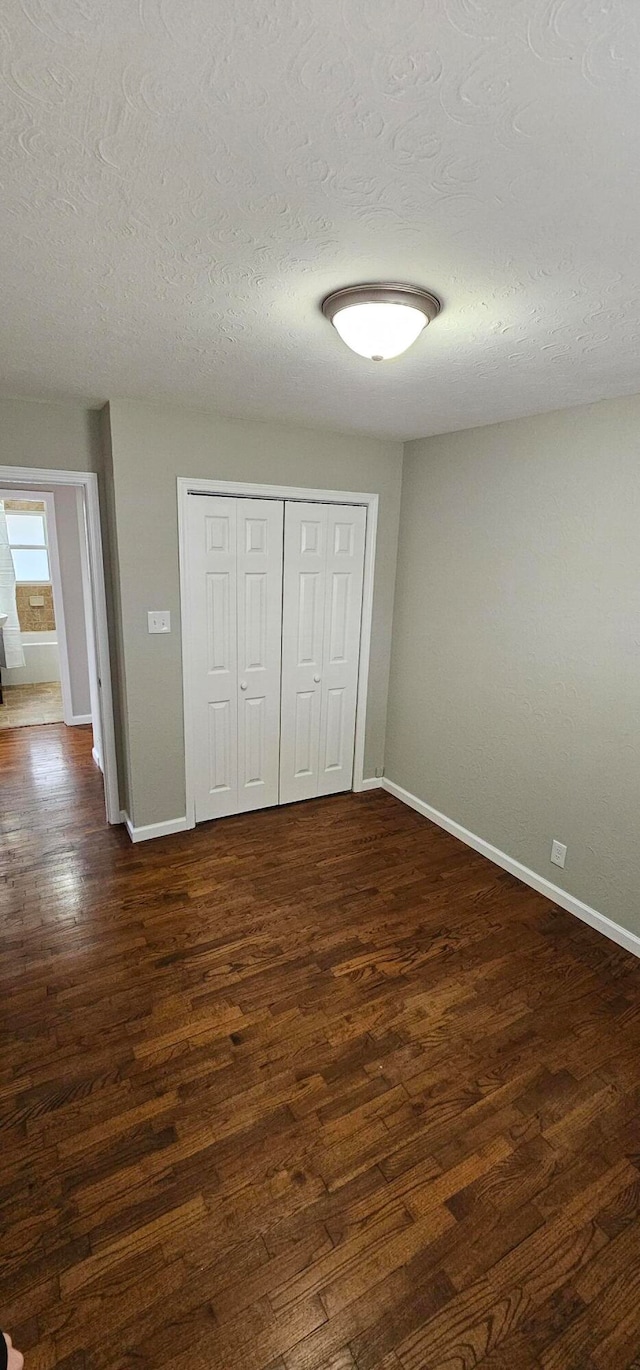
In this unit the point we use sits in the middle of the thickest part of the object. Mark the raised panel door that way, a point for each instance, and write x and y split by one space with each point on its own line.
305 548
213 714
346 527
259 591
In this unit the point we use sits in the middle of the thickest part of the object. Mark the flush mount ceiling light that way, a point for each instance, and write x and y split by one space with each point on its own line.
380 321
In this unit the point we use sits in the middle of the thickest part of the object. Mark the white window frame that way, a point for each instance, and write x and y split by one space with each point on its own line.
31 546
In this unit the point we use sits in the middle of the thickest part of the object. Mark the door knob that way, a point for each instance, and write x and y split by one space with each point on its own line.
317 679
243 684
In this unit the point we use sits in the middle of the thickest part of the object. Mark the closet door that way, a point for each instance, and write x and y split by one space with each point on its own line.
341 645
305 549
322 606
234 567
259 591
212 580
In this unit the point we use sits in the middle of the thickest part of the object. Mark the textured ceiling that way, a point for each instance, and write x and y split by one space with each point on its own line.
183 180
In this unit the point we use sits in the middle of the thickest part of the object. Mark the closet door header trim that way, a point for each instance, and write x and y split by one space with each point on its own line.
279 492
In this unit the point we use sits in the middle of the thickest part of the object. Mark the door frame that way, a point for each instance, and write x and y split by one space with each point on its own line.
47 499
300 494
30 477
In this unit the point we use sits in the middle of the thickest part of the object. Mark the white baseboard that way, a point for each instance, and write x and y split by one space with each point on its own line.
77 720
98 761
145 834
629 940
373 783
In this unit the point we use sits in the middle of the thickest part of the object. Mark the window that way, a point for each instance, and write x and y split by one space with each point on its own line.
28 542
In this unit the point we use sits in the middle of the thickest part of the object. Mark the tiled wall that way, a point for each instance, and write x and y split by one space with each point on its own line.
26 505
34 620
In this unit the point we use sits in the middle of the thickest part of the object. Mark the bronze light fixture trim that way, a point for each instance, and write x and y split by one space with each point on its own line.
380 320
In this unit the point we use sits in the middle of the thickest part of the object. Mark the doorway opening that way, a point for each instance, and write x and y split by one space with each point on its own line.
54 651
45 676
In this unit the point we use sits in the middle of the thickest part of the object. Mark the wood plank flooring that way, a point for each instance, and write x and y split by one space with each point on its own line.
314 1089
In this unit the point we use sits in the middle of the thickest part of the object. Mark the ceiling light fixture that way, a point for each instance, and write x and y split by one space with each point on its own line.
380 321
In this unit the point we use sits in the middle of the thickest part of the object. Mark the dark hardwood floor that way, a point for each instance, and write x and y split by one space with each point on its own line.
312 1089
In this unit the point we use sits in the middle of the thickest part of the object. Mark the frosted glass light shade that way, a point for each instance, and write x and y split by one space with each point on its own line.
379 331
380 321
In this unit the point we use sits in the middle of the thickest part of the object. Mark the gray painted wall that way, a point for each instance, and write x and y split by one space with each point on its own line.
514 701
150 446
61 437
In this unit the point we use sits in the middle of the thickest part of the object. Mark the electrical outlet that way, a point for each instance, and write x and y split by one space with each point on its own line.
558 853
379 772
159 621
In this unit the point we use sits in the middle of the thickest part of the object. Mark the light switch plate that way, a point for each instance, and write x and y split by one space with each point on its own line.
36 601
159 620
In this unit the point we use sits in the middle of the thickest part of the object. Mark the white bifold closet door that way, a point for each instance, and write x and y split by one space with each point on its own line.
234 568
322 607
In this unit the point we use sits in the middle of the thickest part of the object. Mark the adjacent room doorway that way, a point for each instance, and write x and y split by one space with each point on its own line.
55 639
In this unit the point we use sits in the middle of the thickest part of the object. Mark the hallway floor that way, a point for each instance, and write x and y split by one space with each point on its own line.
312 1089
26 705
